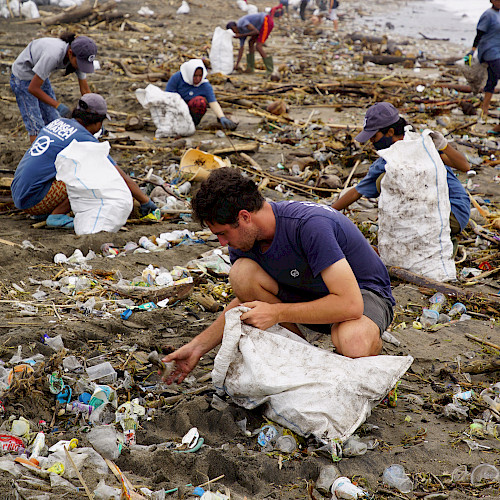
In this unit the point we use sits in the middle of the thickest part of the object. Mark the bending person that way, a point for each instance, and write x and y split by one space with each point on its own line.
35 188
383 127
30 77
487 43
192 85
293 263
258 27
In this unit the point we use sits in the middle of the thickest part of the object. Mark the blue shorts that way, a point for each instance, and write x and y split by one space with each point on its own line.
35 113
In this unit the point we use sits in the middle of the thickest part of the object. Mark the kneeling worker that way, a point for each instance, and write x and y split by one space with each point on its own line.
383 127
35 188
192 85
293 263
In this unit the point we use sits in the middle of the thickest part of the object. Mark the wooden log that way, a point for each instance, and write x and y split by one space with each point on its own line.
75 14
449 290
250 148
386 60
475 366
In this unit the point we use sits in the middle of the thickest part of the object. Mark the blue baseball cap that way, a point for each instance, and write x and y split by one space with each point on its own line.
380 115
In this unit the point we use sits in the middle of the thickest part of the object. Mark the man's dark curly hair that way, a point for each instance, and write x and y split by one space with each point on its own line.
222 196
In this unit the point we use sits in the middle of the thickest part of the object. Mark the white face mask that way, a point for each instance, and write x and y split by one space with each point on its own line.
99 133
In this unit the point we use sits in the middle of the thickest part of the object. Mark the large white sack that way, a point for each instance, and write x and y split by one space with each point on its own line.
242 5
305 388
99 197
184 8
168 110
221 51
414 209
30 10
252 9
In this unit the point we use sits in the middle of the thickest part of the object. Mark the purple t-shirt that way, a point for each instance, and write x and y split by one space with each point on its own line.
308 239
256 20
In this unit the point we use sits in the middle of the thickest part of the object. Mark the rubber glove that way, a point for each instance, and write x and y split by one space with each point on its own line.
62 221
227 123
468 58
439 140
64 111
147 208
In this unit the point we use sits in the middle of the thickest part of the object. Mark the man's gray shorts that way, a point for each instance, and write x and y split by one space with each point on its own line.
377 308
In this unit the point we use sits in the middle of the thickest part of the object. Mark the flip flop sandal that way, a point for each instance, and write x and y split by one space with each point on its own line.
61 221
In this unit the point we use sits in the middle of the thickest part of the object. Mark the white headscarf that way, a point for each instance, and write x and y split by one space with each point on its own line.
189 67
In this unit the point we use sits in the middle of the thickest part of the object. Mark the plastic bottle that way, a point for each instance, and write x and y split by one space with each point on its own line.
146 243
395 477
437 301
457 309
343 488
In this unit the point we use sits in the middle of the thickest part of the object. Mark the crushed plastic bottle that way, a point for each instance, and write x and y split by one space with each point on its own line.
437 301
354 447
343 488
395 477
429 317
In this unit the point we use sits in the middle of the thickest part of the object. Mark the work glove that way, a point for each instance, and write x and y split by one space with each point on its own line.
227 123
64 111
439 140
147 208
468 58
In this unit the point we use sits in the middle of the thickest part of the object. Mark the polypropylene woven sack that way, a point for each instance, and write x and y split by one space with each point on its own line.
221 51
305 388
414 209
168 110
99 197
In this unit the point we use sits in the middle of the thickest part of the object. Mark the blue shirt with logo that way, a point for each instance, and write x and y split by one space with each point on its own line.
177 84
489 46
36 170
459 199
308 239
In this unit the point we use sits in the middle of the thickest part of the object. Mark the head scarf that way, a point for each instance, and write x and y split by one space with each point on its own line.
188 69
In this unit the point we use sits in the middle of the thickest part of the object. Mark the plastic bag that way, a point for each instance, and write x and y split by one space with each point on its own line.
475 74
30 10
168 110
97 192
414 209
221 52
306 389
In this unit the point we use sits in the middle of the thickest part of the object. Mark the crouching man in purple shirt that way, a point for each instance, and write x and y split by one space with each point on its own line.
293 263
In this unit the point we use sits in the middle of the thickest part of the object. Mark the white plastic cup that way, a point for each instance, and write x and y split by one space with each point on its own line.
343 488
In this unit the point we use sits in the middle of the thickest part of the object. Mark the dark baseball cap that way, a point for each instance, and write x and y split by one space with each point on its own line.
380 115
85 50
93 103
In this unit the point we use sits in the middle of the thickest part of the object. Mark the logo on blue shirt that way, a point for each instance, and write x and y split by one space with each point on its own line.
294 273
40 145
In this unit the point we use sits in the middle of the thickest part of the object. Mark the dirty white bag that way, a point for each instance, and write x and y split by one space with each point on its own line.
99 197
30 10
252 9
305 388
242 5
221 51
414 209
184 8
168 110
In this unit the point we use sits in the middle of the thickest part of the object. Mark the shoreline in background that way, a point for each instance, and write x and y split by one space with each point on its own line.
426 17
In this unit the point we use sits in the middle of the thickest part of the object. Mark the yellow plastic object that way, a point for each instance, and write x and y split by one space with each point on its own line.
57 468
196 165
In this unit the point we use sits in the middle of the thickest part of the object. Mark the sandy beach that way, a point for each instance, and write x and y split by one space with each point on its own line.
327 80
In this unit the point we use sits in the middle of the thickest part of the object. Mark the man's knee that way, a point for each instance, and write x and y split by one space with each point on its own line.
357 338
248 280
